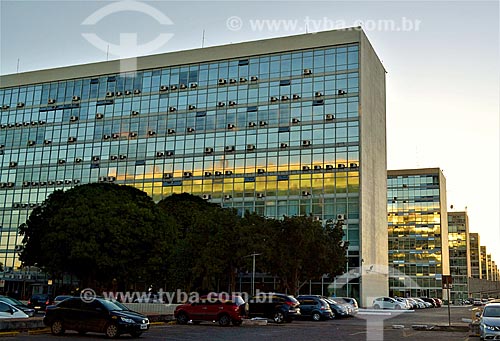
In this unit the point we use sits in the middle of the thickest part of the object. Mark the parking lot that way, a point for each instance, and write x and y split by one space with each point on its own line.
368 325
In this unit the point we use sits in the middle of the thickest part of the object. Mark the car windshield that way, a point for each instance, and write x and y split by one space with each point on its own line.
291 298
491 312
10 300
113 305
338 300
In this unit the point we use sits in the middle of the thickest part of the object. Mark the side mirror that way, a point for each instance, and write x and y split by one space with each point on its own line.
11 311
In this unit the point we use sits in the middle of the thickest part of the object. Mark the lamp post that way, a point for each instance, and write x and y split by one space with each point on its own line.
253 255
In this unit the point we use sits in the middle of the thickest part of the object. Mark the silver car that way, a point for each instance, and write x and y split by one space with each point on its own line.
489 328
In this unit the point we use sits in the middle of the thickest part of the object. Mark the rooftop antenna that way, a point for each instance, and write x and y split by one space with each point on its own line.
18 65
307 28
107 53
203 39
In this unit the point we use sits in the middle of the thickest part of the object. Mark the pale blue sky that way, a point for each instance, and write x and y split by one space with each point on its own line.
442 82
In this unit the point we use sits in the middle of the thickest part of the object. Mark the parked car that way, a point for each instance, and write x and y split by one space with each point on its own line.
341 302
40 301
353 303
407 302
222 308
489 324
414 304
275 306
339 310
314 307
60 298
429 300
388 303
422 303
8 311
99 316
439 302
18 304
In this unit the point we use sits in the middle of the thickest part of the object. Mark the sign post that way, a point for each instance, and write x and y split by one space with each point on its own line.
447 283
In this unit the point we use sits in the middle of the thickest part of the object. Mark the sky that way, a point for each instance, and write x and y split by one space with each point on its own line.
442 60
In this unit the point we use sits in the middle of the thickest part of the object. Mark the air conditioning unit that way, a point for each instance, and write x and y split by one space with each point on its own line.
5 107
3 184
341 92
329 117
193 85
34 184
187 174
135 113
19 124
283 145
169 153
99 116
340 217
262 123
208 174
106 137
306 168
232 103
341 165
171 131
316 218
73 118
329 167
67 182
229 148
33 123
190 129
305 193
232 81
137 91
251 124
227 197
209 150
111 178
163 88
160 154
10 125
2 146
221 81
167 175
20 104
110 94
172 109
118 93
228 172
306 143
10 184
318 94
317 167
183 86
307 72
206 197
71 139
95 158
173 87
3 126
217 173
250 147
274 98
26 124
51 101
123 157
115 135
43 183
78 160
221 104
114 157
50 183
243 80
295 120
192 107
31 143
61 161
230 126
16 205
254 78
12 164
151 132
260 195
295 96
133 134
285 98
261 171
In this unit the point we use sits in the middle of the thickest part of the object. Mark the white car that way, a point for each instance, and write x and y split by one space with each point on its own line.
489 327
388 303
8 311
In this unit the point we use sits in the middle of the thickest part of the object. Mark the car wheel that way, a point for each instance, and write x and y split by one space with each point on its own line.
135 334
57 328
376 306
224 320
182 318
316 316
397 307
237 323
112 331
279 317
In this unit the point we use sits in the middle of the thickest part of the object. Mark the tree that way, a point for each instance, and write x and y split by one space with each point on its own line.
97 232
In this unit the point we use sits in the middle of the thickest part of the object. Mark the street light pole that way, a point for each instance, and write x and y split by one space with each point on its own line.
253 270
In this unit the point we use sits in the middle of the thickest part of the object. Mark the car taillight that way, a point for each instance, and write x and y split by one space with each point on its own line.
322 308
29 302
47 302
290 303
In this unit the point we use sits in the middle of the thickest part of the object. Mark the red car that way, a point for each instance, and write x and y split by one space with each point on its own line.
225 309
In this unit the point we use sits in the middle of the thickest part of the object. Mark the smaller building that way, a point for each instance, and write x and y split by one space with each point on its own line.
460 265
475 255
484 263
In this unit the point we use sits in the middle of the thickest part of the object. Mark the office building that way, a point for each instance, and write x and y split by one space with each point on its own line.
475 253
285 126
418 232
460 260
485 271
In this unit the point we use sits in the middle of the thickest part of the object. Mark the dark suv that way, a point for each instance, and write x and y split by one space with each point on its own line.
278 307
215 307
98 316
40 301
314 307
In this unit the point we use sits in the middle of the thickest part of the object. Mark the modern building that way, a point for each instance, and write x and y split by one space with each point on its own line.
489 266
286 126
418 232
460 260
484 264
475 253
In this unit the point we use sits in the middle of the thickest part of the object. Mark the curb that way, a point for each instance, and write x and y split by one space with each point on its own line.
7 334
39 331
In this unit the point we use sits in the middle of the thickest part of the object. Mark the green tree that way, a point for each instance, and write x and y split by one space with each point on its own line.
98 232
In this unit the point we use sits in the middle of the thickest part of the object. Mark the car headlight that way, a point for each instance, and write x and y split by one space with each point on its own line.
127 320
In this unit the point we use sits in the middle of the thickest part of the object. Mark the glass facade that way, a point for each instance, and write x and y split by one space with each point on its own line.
276 134
475 253
415 233
458 232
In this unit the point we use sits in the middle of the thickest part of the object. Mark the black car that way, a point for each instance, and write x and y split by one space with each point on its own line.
314 307
278 307
18 304
40 301
98 315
